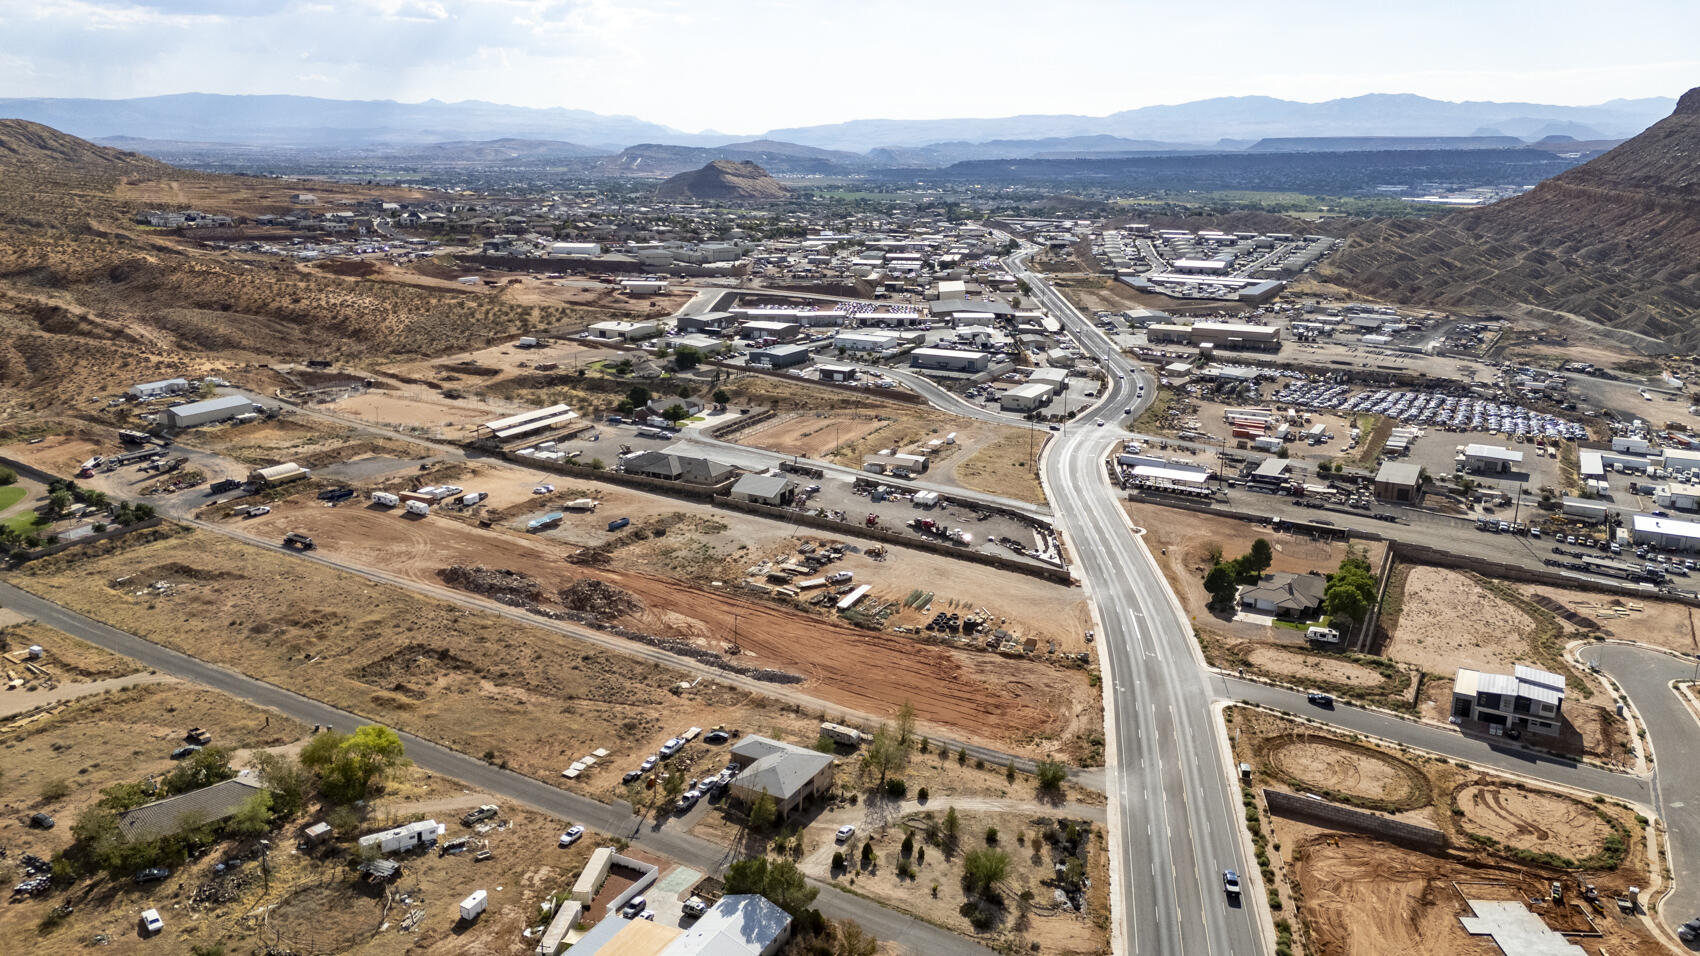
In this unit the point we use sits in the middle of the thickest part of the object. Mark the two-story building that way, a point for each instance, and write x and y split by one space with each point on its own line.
1526 699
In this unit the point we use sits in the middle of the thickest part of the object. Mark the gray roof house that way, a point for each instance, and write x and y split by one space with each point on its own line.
1285 595
764 489
163 818
788 773
670 467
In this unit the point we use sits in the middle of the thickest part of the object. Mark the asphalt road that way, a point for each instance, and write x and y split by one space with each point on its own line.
616 820
1175 818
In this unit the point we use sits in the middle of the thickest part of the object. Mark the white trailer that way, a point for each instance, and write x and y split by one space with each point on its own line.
848 601
840 734
473 905
422 833
384 499
581 504
419 508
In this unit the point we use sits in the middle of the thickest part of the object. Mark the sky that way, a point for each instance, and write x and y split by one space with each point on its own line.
747 66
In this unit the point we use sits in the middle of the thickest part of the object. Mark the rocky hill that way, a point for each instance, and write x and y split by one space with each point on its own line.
32 147
724 180
1613 241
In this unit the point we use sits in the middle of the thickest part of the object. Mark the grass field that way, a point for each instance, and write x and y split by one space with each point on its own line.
11 495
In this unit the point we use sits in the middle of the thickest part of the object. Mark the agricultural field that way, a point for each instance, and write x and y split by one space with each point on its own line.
1357 893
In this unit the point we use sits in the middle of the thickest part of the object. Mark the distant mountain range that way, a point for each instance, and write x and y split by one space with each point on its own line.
1222 123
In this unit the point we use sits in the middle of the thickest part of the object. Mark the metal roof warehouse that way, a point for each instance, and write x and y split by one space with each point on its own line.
513 426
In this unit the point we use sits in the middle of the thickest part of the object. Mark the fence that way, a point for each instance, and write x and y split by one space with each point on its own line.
1334 816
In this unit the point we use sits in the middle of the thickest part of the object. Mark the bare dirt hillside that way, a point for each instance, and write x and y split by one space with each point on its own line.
725 180
1612 241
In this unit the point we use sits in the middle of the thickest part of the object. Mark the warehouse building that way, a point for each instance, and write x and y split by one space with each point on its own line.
160 389
950 360
1491 459
837 373
624 331
1026 398
220 409
949 289
278 475
1233 335
1168 333
708 345
776 490
865 341
1399 482
1056 379
1668 533
758 329
781 356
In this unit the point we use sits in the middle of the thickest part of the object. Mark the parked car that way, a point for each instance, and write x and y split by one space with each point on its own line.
261 510
151 923
184 751
478 814
716 737
648 763
695 906
571 836
845 832
152 874
632 775
633 907
689 800
671 747
41 821
1231 884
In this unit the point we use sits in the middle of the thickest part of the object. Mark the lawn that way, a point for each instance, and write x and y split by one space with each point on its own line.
11 495
24 522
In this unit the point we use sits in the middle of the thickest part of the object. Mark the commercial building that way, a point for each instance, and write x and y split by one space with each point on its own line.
1668 533
624 331
1398 481
220 409
1168 333
1490 459
1235 336
837 373
1055 379
782 356
1026 398
949 289
758 329
742 924
708 345
950 360
575 249
1680 495
1526 699
776 490
160 389
865 341
787 773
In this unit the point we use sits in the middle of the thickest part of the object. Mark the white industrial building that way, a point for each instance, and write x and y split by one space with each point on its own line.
865 341
949 289
220 409
1670 534
708 345
624 331
159 389
1680 495
644 286
950 360
1490 459
575 249
1026 398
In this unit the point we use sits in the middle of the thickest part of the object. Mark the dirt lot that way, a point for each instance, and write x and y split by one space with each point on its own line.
1450 622
811 434
1664 624
1356 894
64 657
1005 465
1366 897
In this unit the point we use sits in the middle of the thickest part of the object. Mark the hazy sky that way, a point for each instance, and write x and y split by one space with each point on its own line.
745 66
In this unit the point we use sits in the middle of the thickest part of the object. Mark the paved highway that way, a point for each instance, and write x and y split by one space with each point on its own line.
616 820
1175 820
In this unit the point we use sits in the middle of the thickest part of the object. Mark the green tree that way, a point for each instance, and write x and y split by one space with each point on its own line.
885 754
348 766
288 781
58 503
908 848
253 818
1351 590
952 828
764 812
781 882
867 853
203 768
638 396
674 785
676 413
906 726
686 357
1051 775
1259 558
1220 585
8 476
722 397
983 870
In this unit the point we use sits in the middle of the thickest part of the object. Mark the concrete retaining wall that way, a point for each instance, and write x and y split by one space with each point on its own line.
1334 816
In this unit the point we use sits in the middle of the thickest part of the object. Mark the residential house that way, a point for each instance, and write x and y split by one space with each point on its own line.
1526 699
787 773
1285 595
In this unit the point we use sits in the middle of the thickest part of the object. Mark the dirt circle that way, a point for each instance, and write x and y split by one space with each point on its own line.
1533 820
1336 766
327 917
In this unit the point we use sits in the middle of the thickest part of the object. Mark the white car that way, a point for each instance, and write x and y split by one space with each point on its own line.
571 836
261 510
151 921
543 490
845 832
1100 421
